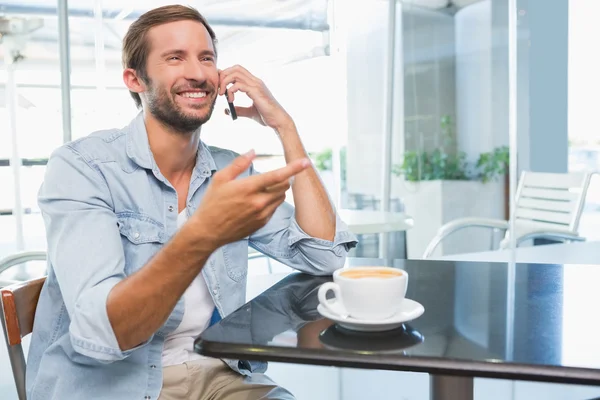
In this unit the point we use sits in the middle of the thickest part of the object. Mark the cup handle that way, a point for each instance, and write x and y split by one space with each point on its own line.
330 305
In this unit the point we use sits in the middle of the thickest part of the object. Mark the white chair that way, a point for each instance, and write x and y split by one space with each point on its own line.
21 258
548 205
18 259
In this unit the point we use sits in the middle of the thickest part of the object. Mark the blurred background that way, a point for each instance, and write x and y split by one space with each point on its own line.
402 105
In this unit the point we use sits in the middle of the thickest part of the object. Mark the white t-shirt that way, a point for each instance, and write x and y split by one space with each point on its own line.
199 307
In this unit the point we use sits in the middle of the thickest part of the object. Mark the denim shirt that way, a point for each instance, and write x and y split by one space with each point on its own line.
108 210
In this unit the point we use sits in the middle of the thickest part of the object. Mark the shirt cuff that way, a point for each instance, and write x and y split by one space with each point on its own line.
245 367
91 331
342 242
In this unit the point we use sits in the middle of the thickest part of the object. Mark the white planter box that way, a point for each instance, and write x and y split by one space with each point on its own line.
434 203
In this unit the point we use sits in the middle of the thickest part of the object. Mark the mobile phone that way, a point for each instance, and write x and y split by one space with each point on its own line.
231 107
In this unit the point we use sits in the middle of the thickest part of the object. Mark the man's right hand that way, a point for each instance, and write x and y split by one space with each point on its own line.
231 209
235 208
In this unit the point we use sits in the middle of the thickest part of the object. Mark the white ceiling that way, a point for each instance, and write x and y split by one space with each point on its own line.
43 44
300 14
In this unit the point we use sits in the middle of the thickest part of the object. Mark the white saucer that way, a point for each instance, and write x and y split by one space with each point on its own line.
410 310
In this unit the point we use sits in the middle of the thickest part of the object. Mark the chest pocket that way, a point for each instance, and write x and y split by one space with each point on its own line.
142 238
236 259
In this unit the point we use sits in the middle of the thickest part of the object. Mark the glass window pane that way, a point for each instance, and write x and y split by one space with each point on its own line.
38 119
584 82
450 124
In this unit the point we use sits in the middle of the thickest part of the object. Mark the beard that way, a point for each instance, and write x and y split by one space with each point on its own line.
163 107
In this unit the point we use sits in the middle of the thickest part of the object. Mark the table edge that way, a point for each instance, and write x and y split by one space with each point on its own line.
431 365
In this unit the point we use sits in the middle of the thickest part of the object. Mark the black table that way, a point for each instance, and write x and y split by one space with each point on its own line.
534 322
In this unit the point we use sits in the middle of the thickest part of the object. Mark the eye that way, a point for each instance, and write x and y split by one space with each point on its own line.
174 58
207 58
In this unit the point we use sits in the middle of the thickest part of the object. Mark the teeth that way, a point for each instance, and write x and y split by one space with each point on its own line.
194 95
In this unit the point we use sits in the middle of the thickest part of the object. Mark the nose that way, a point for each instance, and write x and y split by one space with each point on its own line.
195 71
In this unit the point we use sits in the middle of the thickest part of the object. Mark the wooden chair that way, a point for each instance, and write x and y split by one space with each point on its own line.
18 303
548 206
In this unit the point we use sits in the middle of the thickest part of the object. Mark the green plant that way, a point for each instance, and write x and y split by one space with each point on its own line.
441 164
434 165
324 162
493 164
438 165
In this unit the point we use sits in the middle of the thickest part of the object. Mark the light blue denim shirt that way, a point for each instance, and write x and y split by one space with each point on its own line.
107 210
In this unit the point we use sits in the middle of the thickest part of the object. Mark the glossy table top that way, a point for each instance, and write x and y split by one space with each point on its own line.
523 321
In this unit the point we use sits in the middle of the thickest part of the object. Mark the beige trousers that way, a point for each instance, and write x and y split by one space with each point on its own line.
212 379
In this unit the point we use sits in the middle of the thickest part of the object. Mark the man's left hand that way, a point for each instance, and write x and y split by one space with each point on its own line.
265 109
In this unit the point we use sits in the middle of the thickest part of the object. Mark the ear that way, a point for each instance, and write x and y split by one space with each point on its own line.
132 81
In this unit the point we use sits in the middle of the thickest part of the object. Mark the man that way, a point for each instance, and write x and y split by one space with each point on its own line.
148 230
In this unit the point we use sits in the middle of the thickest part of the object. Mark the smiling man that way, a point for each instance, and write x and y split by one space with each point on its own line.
148 230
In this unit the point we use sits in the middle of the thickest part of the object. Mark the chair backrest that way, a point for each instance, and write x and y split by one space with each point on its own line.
18 303
550 201
21 258
553 199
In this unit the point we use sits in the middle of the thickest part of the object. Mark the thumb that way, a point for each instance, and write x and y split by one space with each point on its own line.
237 166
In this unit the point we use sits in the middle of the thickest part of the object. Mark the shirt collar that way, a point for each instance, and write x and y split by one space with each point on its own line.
138 148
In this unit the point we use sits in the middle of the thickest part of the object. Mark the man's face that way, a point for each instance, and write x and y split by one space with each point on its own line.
182 75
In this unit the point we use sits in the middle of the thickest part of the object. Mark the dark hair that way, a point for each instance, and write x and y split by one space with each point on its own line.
135 43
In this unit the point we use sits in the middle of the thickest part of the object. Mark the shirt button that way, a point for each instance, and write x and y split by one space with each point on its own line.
136 235
147 397
214 291
153 366
171 208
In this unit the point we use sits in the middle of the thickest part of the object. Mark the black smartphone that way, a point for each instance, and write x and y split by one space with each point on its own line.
231 107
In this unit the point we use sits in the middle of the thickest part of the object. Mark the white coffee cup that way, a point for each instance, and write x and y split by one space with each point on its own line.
367 293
